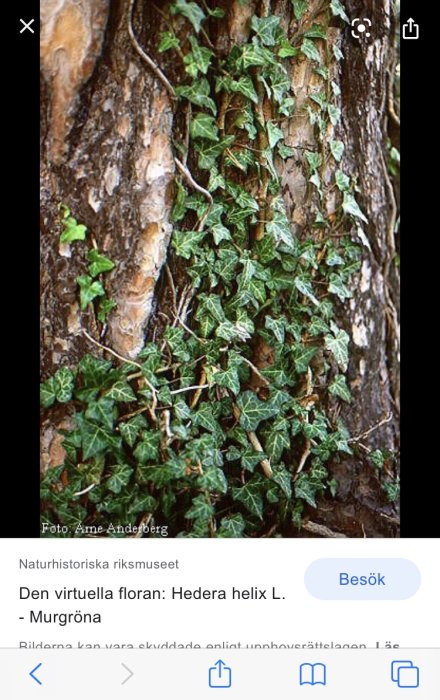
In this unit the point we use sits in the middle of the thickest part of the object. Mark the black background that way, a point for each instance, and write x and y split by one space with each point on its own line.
20 274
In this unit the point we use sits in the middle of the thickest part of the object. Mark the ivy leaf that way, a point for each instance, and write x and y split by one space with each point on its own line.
214 480
121 391
337 286
232 526
98 263
305 287
226 264
255 55
284 480
204 126
305 491
338 10
102 411
168 40
148 449
350 206
334 113
277 441
205 417
211 304
337 149
253 411
277 326
309 49
246 87
267 29
73 231
299 8
94 439
186 243
316 32
338 346
89 290
191 11
287 50
198 60
339 387
302 357
228 378
342 181
48 393
200 509
274 134
64 384
105 307
250 496
199 94
120 477
131 429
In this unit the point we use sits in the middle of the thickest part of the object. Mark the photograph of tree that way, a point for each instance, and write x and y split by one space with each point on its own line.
219 268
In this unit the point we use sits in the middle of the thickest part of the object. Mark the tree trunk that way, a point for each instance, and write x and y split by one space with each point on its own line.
115 154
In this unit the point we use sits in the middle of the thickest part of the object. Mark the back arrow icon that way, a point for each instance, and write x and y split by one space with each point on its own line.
130 672
31 673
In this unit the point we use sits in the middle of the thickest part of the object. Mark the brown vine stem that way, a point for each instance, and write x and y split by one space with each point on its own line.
149 61
131 362
373 428
256 444
187 175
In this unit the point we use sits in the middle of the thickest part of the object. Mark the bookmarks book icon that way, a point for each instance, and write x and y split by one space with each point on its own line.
312 674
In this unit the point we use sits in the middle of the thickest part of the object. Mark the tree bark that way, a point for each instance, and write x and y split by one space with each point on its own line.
108 125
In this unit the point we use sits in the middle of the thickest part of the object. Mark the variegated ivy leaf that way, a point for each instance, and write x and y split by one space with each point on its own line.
121 391
274 134
191 11
267 29
337 149
350 206
232 526
339 387
338 345
250 496
204 126
253 411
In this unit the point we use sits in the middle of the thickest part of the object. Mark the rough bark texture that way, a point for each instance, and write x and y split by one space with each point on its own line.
107 151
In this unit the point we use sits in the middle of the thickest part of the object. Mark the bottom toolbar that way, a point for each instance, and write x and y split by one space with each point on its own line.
199 673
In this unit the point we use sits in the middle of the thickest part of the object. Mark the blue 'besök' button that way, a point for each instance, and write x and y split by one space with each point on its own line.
362 579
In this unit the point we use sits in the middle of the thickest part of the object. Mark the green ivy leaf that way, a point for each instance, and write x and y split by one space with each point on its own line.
350 206
305 287
200 509
198 60
131 429
191 11
309 49
334 114
48 393
228 378
94 439
105 307
276 442
73 231
284 480
338 10
98 263
337 286
147 450
339 387
89 290
102 411
121 474
246 87
232 526
267 29
337 149
199 94
286 50
342 181
213 479
204 126
253 411
250 496
168 40
187 243
274 134
305 490
299 8
302 357
277 326
121 391
338 345
255 55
